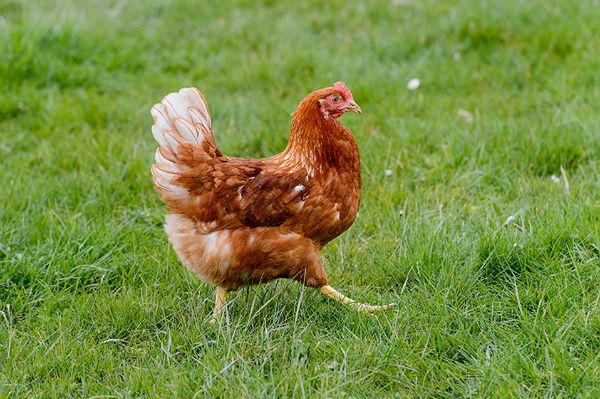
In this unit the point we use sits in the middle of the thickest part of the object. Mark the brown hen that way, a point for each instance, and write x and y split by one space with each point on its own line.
239 221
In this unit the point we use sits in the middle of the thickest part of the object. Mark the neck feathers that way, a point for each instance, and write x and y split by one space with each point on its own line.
312 139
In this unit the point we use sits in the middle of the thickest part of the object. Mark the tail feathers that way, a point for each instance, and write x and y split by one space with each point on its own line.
164 172
180 118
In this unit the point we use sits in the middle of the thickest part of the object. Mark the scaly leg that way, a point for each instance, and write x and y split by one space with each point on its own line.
331 292
220 299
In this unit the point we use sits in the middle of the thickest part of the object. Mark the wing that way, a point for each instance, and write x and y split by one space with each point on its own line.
272 198
222 192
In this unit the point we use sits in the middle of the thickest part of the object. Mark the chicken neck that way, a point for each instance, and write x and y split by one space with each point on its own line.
313 141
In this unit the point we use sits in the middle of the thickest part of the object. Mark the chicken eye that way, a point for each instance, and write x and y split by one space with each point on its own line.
335 99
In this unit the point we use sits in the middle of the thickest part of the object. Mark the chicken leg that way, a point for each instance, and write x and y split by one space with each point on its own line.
220 299
332 293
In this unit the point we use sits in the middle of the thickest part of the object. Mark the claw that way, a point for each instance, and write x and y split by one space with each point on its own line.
332 293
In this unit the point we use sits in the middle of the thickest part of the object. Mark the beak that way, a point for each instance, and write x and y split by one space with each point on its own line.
352 106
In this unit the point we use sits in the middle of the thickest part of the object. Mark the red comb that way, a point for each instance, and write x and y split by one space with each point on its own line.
341 87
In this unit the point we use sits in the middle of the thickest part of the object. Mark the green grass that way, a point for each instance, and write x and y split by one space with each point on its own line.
94 302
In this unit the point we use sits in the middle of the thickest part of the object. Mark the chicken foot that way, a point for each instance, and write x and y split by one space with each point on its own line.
327 290
220 299
332 293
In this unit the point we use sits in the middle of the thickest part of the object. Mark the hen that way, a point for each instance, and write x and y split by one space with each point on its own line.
237 221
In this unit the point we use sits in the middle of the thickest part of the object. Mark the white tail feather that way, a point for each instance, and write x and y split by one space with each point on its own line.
172 140
161 159
188 131
201 120
161 120
162 179
200 107
164 163
180 118
158 136
184 112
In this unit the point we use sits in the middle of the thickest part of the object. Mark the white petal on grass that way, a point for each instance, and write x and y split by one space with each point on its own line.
388 172
509 220
555 179
466 115
413 84
456 56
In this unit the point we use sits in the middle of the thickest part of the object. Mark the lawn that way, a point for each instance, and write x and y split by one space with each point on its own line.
480 214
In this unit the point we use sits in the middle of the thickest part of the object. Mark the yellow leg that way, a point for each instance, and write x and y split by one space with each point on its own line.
331 292
220 299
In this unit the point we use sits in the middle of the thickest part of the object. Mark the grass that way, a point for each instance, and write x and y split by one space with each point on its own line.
494 264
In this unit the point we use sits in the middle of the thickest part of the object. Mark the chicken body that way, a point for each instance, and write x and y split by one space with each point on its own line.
237 222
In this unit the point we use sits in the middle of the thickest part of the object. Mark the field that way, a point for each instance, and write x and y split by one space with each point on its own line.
480 214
